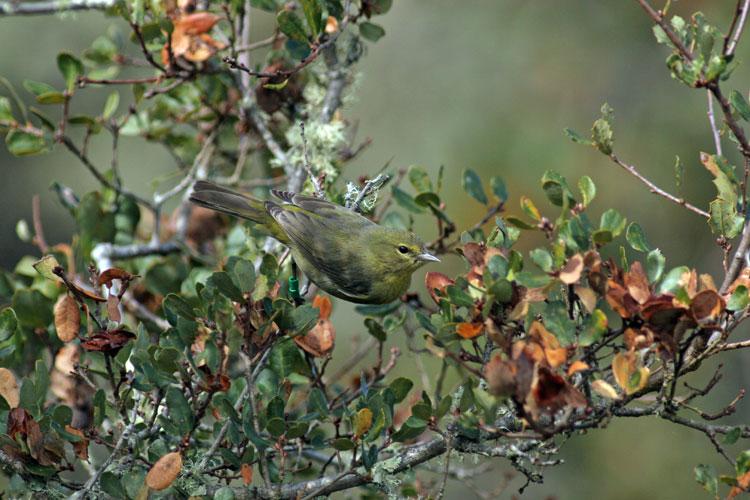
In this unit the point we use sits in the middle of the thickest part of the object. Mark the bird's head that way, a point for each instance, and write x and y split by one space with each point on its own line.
400 251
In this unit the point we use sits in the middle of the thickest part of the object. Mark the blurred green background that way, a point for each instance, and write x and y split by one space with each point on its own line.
488 85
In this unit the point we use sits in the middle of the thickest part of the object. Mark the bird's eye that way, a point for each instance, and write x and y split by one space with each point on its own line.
403 249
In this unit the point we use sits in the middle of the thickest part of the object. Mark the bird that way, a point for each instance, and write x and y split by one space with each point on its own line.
342 252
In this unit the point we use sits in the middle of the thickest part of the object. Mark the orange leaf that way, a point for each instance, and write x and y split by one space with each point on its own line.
706 305
319 341
246 470
81 448
469 330
164 471
577 366
197 23
323 304
604 389
500 375
114 273
553 353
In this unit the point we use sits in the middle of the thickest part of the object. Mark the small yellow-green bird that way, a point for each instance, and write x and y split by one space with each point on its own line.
342 252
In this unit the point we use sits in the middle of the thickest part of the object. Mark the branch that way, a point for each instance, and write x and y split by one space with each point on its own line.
712 121
659 19
656 189
738 24
11 8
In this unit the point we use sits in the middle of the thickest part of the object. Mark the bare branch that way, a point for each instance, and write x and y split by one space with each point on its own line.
656 189
738 24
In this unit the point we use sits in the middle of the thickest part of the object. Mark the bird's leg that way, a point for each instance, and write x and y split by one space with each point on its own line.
294 286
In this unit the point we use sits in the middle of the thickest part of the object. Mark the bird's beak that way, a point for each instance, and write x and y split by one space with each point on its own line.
427 257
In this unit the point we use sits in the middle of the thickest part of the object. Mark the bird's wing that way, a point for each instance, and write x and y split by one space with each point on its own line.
310 203
325 242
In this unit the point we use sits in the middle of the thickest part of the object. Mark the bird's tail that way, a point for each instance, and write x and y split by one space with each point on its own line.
230 202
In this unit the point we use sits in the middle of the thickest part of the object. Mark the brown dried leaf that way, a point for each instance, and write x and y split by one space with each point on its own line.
113 308
332 25
67 318
706 282
18 422
436 281
628 373
81 448
197 23
164 471
553 353
469 330
706 306
620 300
319 341
587 296
500 375
9 387
111 341
114 273
571 272
636 282
550 393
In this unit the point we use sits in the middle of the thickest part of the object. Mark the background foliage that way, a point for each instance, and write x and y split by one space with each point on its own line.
549 74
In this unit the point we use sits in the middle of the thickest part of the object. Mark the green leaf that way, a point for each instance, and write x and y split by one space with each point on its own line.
472 184
498 188
371 31
613 222
637 238
556 188
601 132
740 105
178 306
225 285
21 143
8 323
313 15
375 329
577 138
46 267
732 436
723 218
594 328
705 475
286 359
32 308
38 88
673 280
180 412
380 7
6 111
542 258
242 273
291 26
588 190
419 179
406 201
401 387
557 321
344 444
655 262
53 97
71 68
530 209
458 297
739 299
110 105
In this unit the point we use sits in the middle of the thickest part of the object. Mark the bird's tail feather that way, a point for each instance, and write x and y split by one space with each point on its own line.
230 202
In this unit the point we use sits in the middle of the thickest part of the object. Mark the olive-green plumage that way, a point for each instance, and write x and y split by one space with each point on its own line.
342 252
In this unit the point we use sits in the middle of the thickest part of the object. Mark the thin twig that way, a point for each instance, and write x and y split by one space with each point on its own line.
712 121
738 23
656 189
14 8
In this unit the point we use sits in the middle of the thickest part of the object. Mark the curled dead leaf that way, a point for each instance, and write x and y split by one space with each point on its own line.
9 387
67 318
113 308
114 273
571 271
628 373
332 25
707 306
553 353
110 341
604 389
323 304
319 341
636 283
164 471
587 296
81 448
436 281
